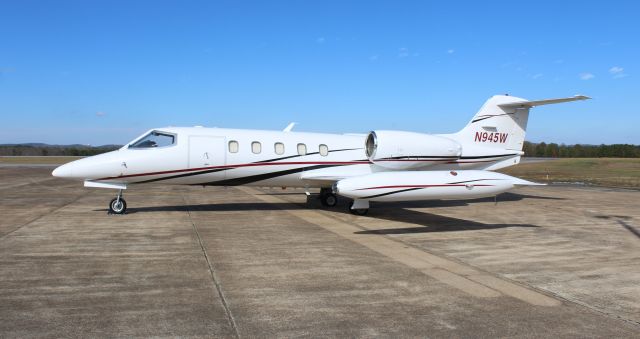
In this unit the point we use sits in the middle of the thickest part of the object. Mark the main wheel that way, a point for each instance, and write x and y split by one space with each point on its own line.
329 200
358 211
117 206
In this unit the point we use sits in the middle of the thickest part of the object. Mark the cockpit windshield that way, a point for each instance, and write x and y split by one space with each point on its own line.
155 139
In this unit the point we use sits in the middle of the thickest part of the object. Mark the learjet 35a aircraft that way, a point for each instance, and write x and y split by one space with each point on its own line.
382 165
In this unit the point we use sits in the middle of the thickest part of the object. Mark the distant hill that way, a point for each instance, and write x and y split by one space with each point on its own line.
41 149
39 144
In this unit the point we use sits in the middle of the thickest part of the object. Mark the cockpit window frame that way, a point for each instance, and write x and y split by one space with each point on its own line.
159 132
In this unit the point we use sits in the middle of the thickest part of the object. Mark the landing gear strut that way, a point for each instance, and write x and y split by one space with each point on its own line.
359 207
327 198
118 205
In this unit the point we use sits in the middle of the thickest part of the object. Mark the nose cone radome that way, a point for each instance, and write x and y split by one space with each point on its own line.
64 171
97 166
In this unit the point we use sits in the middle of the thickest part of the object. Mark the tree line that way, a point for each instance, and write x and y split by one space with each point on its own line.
542 149
49 150
553 150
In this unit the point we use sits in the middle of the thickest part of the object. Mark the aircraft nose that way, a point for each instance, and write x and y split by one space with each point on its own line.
64 171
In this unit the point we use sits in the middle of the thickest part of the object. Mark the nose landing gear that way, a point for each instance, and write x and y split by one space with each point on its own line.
118 205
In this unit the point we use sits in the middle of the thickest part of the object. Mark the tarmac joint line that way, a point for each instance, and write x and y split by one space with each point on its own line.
460 276
629 228
54 210
214 276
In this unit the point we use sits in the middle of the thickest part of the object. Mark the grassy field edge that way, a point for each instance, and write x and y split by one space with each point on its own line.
609 172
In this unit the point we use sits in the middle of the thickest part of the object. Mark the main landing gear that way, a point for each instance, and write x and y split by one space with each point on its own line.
118 205
327 198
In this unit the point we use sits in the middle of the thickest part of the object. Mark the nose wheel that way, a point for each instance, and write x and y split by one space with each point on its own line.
118 205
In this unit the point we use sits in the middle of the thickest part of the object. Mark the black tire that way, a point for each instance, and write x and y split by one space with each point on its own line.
358 211
117 206
329 200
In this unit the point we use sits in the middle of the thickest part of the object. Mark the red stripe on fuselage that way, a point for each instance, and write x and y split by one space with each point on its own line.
240 165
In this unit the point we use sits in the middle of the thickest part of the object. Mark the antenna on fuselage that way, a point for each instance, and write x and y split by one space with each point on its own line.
289 127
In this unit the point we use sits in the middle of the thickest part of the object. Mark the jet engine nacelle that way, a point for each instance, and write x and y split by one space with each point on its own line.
426 185
408 150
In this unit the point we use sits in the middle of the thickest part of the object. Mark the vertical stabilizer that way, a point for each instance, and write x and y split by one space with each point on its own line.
502 122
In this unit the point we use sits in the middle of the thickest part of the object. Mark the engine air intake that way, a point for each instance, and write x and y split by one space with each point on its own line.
408 150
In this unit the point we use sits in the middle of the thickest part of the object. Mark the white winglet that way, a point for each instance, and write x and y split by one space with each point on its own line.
289 127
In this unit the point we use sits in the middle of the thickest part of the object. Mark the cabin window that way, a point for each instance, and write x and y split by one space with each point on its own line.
279 148
324 150
233 146
302 149
155 139
256 147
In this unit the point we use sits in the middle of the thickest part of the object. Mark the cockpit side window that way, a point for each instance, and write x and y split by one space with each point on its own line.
155 139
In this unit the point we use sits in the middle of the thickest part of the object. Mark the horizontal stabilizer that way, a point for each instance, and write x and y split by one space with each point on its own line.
529 104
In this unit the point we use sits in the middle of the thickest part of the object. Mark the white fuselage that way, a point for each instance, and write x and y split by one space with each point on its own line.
228 157
382 165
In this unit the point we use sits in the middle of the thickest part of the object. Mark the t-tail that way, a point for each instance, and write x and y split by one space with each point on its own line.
502 122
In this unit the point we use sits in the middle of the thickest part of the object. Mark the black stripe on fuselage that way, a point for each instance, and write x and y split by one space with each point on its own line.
468 181
229 168
185 175
419 188
480 119
394 192
490 116
259 177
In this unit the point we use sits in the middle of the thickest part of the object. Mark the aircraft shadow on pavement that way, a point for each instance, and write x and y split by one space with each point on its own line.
223 207
260 206
430 222
392 211
504 197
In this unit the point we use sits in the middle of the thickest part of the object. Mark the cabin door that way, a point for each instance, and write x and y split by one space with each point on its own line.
207 152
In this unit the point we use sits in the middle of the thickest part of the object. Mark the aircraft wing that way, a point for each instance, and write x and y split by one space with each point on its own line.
322 178
529 104
521 182
331 175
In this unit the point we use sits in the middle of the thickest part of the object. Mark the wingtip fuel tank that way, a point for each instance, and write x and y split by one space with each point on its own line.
425 185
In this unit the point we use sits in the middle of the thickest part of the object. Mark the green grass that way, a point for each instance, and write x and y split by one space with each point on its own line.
41 160
610 172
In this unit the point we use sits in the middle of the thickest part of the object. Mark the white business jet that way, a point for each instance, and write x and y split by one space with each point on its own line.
379 166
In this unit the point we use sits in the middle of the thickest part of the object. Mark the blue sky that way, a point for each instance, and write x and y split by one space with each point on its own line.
102 72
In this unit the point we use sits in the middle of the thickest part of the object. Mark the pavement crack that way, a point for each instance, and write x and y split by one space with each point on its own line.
214 276
4 236
629 227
